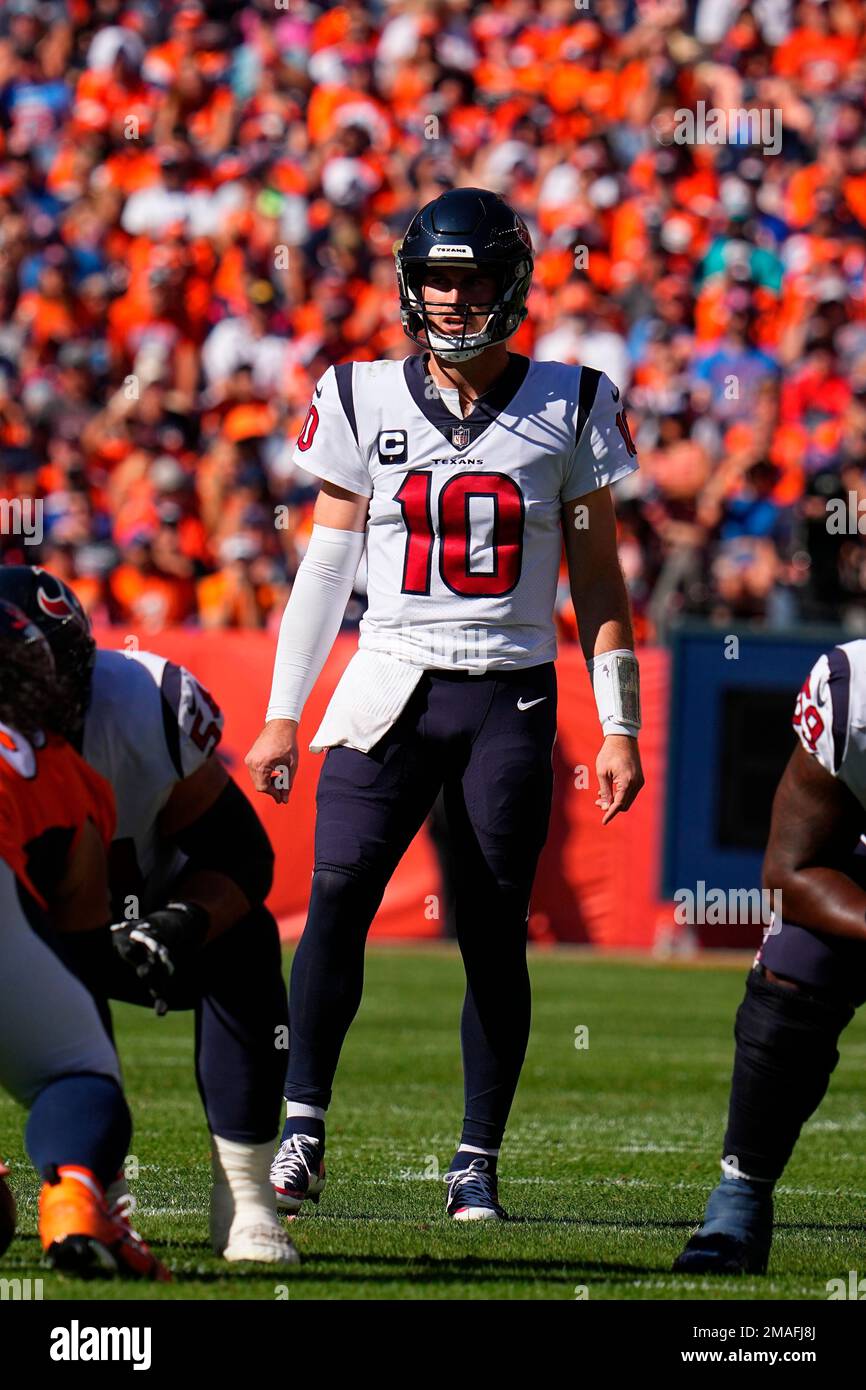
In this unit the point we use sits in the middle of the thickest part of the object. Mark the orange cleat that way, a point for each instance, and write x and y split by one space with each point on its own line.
80 1236
121 1214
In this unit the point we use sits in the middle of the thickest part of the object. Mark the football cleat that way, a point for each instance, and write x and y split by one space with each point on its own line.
81 1236
720 1254
252 1232
120 1211
736 1234
262 1241
473 1194
298 1173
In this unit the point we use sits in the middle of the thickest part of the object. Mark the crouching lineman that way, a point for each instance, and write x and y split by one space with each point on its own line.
810 973
190 866
56 821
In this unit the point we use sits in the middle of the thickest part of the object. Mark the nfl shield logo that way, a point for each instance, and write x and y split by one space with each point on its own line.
460 436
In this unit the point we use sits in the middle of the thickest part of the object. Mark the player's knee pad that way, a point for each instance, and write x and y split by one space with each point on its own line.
343 899
785 1055
796 1027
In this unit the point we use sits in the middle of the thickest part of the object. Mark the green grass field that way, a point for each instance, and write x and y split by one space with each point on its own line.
610 1155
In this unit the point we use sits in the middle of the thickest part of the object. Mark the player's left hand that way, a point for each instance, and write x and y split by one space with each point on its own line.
620 776
157 945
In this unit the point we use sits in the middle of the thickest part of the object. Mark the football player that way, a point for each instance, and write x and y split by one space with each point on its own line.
809 975
56 821
461 467
190 866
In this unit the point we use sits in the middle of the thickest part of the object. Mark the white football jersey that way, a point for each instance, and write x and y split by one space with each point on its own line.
149 724
830 714
464 531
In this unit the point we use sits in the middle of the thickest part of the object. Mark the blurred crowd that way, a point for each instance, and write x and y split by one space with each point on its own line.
198 210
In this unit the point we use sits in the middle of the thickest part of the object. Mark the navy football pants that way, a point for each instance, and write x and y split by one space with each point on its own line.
235 986
787 1040
817 961
487 742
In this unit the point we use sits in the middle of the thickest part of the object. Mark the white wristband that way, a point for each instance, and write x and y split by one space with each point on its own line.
313 616
615 680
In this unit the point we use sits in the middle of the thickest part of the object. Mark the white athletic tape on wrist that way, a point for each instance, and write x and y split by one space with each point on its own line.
615 680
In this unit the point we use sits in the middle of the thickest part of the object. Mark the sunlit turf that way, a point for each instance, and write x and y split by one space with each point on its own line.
611 1152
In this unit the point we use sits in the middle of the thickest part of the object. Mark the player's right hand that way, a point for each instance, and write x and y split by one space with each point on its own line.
273 759
156 946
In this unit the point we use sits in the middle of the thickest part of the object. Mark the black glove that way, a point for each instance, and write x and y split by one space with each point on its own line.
160 944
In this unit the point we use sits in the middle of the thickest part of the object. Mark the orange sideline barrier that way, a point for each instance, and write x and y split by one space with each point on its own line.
593 885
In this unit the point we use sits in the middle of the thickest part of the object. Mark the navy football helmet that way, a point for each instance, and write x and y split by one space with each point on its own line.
57 612
467 227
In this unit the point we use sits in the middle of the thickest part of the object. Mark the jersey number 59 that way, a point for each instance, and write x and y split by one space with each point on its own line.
806 717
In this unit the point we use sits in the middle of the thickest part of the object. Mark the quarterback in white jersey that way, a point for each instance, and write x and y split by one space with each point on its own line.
467 542
809 976
460 469
462 548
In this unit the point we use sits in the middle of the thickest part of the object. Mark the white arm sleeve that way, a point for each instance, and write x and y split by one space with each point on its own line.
313 616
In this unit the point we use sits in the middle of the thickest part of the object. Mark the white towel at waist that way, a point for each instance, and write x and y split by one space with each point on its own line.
370 695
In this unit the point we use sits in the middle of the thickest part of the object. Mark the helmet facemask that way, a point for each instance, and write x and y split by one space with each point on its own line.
30 700
504 314
74 679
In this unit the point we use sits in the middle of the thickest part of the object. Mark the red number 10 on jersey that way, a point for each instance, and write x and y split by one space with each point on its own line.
414 496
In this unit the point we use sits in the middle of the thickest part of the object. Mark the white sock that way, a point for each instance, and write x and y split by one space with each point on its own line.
244 1170
471 1149
296 1111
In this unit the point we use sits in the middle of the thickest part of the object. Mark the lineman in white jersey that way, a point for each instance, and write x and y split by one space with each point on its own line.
809 976
461 468
190 866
